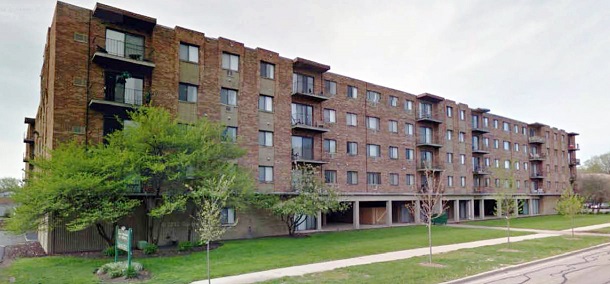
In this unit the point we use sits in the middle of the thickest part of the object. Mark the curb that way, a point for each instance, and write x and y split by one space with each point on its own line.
508 269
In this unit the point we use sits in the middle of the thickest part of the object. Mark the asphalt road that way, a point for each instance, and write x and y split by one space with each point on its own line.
590 267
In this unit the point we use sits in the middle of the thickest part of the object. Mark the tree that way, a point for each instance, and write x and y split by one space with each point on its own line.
430 201
598 164
9 185
506 204
570 204
594 188
209 200
311 196
74 187
170 158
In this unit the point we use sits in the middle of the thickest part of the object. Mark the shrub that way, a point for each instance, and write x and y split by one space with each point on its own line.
199 243
150 249
118 269
185 246
109 251
8 212
131 272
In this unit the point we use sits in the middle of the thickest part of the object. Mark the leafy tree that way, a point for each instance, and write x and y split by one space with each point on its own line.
75 187
9 185
430 201
506 204
598 164
311 195
209 200
595 188
170 158
570 204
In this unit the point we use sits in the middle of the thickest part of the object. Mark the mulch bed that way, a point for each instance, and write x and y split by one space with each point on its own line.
162 252
29 249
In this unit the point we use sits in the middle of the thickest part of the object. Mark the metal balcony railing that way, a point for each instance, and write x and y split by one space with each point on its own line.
480 148
536 139
573 147
126 96
428 165
574 162
302 120
481 170
123 49
537 174
537 156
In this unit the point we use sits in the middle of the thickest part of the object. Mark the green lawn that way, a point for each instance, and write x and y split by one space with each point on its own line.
550 222
236 257
457 264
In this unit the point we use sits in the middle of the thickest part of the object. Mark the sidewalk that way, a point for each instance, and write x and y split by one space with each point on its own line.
390 256
589 228
581 231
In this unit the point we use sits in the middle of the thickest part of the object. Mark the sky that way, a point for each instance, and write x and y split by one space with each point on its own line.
534 61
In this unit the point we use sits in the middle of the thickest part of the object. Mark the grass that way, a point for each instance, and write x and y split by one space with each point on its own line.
549 222
457 264
241 256
602 230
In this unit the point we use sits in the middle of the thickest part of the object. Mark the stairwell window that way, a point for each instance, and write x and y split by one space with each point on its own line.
267 70
228 97
189 53
230 61
187 93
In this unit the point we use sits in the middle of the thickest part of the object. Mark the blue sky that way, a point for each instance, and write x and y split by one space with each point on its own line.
512 57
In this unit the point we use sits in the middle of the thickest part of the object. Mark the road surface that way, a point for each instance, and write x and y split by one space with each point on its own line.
590 267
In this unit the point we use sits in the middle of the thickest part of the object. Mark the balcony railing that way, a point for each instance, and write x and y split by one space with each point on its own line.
423 141
305 122
536 140
428 116
299 89
476 127
537 174
27 139
126 96
306 159
537 156
573 147
120 55
480 149
537 191
574 162
480 170
428 166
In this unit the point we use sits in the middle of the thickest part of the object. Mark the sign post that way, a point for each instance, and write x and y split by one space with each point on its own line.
123 242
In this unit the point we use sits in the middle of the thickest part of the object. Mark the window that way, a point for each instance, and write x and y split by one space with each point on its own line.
393 101
230 61
410 179
265 174
372 123
352 177
373 150
523 130
516 147
302 84
330 146
351 119
393 152
230 134
265 103
265 138
485 122
227 216
449 158
189 53
486 142
487 162
450 181
525 166
507 164
462 159
449 111
497 182
408 105
393 179
497 163
352 92
124 45
409 129
352 148
330 87
393 126
495 123
518 184
410 154
330 176
463 181
506 145
462 136
516 165
425 110
187 93
449 135
330 115
228 97
302 114
462 114
505 126
267 70
516 128
496 143
373 178
373 97
425 135
302 147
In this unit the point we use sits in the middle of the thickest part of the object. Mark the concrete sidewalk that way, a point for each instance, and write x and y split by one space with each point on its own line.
589 228
581 231
384 257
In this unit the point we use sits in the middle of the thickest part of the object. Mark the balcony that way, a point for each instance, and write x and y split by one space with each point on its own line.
306 123
120 55
307 93
537 175
479 128
27 139
119 102
537 191
574 162
428 143
537 157
536 140
479 170
429 166
428 117
573 147
296 158
476 149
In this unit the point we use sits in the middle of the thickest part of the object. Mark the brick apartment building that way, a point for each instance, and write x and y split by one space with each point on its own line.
369 141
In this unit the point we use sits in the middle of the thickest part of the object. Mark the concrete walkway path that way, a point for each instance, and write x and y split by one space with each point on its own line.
589 228
581 231
383 257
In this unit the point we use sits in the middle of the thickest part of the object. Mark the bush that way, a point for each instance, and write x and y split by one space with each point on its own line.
109 251
185 246
150 249
8 212
199 243
118 269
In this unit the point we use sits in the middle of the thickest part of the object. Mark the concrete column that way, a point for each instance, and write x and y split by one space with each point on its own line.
456 210
498 210
319 221
356 209
516 213
530 204
482 209
388 211
417 212
471 209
